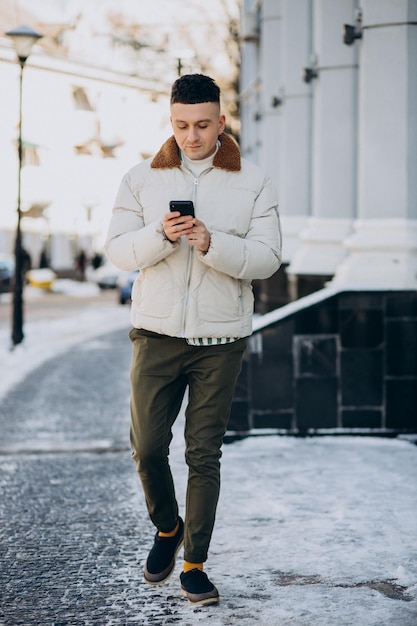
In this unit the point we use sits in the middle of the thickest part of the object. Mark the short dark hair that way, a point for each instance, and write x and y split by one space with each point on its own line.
194 88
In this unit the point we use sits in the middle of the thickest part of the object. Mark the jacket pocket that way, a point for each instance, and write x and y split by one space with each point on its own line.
153 293
219 298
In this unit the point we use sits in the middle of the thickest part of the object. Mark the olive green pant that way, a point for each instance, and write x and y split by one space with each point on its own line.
162 367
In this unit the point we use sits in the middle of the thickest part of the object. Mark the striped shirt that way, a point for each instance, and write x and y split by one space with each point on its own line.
210 341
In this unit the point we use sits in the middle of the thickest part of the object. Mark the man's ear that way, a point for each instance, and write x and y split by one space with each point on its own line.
222 123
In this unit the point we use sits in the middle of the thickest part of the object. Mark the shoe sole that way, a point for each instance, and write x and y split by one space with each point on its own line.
156 583
202 602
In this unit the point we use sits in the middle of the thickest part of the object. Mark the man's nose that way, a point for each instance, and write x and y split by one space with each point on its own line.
192 134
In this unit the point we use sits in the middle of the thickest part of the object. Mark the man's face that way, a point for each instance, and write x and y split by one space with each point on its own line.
196 128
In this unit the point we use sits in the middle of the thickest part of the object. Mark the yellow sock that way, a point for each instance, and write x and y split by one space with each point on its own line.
189 566
170 534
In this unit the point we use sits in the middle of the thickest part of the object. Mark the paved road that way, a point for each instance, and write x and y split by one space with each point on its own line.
70 507
74 531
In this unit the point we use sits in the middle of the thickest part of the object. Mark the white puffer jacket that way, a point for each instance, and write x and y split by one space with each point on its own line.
179 291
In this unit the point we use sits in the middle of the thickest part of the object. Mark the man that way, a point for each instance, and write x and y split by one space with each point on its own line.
192 307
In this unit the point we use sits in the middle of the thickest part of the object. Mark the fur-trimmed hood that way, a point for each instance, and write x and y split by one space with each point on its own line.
227 156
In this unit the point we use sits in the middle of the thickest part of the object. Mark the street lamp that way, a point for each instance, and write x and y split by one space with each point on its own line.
183 58
23 39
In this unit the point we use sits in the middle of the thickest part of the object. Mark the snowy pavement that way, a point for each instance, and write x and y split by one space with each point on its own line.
47 337
310 532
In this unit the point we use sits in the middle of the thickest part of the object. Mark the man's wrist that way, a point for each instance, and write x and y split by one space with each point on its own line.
208 247
164 235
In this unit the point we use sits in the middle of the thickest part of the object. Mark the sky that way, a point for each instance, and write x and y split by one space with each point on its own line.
310 532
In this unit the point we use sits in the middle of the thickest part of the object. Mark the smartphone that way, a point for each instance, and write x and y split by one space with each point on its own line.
185 207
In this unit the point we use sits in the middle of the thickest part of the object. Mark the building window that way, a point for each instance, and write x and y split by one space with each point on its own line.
81 101
30 154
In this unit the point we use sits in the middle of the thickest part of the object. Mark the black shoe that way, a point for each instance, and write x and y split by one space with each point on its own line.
196 586
161 559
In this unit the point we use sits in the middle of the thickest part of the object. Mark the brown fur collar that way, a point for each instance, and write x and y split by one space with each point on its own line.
227 156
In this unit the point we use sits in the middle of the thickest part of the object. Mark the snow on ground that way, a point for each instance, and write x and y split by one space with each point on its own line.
49 337
310 532
328 525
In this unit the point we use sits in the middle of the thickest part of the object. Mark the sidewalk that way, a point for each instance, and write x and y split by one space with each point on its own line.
310 532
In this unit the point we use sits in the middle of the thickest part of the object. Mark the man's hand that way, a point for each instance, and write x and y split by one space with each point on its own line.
199 236
176 225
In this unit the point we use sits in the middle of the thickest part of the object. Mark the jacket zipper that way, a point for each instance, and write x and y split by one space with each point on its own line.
189 267
190 253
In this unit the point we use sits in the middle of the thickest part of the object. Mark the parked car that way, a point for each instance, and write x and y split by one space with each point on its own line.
41 278
6 272
124 286
106 276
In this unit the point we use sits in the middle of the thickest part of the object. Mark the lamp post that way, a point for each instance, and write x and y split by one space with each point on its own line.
183 58
23 39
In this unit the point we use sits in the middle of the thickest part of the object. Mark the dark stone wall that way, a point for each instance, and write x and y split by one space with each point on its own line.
347 363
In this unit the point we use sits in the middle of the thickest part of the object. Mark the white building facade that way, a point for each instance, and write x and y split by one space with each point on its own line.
329 109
